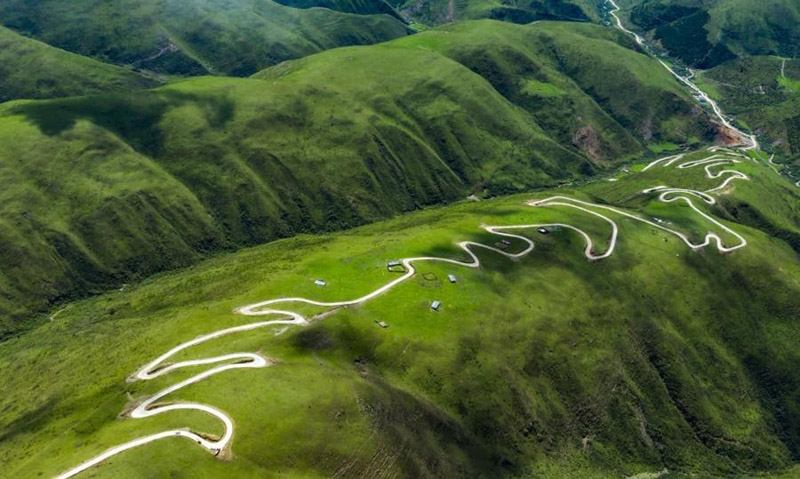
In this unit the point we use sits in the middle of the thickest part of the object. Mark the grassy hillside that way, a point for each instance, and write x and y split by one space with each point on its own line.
102 189
570 79
551 366
190 37
764 92
705 33
361 7
30 69
435 12
582 87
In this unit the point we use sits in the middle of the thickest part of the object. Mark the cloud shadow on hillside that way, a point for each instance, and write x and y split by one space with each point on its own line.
134 117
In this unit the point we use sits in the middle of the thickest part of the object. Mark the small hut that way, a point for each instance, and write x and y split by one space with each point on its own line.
396 267
503 244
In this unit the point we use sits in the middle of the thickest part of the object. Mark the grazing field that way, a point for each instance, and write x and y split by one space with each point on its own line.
552 365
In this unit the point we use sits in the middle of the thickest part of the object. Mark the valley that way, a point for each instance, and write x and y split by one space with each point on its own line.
760 92
706 33
155 180
346 238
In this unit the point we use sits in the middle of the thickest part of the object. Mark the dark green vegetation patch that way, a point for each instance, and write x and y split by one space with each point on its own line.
361 7
190 37
30 69
435 12
764 92
705 33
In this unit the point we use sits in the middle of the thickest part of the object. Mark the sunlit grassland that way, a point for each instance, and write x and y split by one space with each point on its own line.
551 327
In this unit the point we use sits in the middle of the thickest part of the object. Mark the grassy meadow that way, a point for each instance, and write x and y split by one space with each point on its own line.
140 209
549 366
33 70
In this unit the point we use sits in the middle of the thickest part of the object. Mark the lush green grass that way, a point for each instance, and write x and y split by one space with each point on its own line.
541 89
779 219
102 189
705 33
551 366
616 96
30 69
662 147
787 83
190 37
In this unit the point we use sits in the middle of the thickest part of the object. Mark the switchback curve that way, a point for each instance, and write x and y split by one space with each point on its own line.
160 366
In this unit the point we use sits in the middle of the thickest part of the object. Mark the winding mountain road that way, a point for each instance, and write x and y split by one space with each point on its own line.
161 366
279 307
669 195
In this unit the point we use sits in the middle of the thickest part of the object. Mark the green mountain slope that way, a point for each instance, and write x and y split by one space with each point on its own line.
30 69
656 358
189 37
706 33
361 7
101 189
435 12
578 84
764 92
570 79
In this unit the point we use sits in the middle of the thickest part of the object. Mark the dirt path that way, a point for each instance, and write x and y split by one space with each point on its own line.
280 307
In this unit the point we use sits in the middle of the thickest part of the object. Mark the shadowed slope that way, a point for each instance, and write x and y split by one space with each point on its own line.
102 189
30 69
191 37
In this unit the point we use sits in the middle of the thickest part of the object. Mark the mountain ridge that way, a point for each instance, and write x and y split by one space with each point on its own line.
315 145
